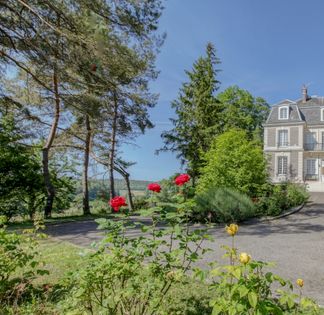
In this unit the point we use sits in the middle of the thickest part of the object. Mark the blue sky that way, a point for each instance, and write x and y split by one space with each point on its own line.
268 47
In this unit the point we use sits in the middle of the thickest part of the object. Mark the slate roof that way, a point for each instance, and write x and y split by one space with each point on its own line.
299 112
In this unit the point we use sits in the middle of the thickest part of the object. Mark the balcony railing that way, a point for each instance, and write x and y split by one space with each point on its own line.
314 146
307 146
283 144
311 177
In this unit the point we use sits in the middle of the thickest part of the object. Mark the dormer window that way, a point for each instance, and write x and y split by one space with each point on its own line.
283 112
322 114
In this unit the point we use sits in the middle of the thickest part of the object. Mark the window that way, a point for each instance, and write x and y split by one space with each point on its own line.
283 138
282 165
310 143
311 167
283 112
322 114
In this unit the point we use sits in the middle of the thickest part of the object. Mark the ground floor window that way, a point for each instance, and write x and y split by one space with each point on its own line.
282 165
311 167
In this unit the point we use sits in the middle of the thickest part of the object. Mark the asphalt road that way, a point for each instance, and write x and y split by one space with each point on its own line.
295 243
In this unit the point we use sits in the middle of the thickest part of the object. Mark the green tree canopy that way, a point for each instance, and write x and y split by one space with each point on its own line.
20 171
234 161
242 110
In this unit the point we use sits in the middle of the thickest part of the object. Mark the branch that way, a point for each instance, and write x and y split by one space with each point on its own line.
26 70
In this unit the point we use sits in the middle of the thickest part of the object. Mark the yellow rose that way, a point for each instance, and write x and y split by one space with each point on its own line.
245 258
300 282
232 229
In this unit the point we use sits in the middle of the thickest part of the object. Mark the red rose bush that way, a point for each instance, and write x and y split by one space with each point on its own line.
154 187
182 179
117 202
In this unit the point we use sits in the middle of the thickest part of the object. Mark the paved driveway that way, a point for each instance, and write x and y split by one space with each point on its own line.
295 243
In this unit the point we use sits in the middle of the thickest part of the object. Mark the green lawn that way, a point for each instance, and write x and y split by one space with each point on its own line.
59 257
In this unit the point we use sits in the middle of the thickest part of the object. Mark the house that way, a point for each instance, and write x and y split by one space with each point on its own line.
294 141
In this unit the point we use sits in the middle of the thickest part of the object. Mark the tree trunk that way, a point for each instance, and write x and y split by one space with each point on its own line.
113 147
85 187
129 192
46 149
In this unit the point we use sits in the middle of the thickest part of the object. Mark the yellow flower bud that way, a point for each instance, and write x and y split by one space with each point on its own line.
300 282
245 258
232 229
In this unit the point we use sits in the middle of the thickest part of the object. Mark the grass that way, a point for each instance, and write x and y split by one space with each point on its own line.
59 257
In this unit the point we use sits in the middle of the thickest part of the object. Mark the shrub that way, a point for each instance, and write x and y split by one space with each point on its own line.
277 198
18 265
243 287
235 162
191 297
140 202
99 206
223 205
296 194
134 275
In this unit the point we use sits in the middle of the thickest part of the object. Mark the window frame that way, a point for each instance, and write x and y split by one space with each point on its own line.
284 144
280 170
279 113
308 168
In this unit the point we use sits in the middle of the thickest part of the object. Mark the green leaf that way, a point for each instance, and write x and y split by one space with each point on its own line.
237 273
144 228
253 299
215 272
243 291
217 309
42 272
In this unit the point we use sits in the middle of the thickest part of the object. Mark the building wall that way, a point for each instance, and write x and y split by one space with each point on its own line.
295 137
294 152
293 167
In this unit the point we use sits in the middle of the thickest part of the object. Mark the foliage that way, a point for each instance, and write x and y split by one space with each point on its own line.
296 194
140 203
136 274
152 273
277 198
235 162
191 297
242 287
242 110
21 182
223 205
18 265
197 111
86 59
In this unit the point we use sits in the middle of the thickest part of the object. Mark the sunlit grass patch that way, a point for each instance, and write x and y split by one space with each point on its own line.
59 257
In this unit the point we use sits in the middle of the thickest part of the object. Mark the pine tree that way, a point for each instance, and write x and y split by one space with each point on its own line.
197 111
71 49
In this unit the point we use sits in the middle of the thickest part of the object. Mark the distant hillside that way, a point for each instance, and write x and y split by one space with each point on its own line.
99 187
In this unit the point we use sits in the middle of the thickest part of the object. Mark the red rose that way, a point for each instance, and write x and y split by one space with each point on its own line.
154 187
182 179
117 202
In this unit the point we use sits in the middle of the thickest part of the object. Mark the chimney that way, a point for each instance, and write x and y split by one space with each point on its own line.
304 94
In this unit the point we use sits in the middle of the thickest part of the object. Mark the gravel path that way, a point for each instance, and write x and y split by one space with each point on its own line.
295 243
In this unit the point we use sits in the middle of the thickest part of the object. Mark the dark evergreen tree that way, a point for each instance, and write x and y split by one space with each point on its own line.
197 113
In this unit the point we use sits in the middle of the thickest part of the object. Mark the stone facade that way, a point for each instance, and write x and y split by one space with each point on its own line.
294 141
